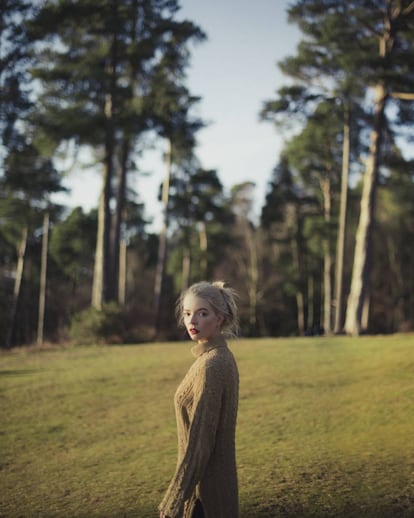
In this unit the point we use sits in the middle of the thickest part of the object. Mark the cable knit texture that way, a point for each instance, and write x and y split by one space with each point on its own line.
206 404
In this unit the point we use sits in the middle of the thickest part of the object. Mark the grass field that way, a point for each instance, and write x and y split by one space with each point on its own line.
325 428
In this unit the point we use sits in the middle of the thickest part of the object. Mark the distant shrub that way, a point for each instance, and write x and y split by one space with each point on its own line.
93 326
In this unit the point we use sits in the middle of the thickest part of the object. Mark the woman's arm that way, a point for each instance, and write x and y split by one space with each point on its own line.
208 387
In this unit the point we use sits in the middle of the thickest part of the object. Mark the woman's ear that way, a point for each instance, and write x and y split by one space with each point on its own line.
220 319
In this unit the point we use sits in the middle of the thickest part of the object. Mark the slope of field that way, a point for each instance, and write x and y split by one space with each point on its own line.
325 428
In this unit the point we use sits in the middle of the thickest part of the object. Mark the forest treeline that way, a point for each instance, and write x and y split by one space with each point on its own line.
332 251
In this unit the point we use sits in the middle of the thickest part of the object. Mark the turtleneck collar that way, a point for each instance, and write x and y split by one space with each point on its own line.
213 343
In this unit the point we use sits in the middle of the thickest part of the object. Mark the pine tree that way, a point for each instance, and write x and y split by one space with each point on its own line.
391 75
339 58
97 81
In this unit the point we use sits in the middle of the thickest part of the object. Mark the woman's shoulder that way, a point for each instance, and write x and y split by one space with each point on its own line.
219 360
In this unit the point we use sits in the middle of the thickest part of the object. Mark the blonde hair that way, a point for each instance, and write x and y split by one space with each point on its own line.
221 298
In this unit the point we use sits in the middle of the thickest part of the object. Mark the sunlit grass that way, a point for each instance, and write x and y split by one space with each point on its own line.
325 428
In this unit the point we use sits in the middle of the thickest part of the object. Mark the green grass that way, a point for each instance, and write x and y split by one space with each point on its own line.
325 428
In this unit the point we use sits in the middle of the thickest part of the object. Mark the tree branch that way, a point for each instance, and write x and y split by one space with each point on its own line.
403 96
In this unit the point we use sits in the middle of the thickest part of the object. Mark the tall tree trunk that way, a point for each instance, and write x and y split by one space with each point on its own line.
360 272
327 256
122 271
253 275
365 311
301 312
327 288
162 246
340 245
43 277
310 325
117 220
186 267
202 234
102 255
100 259
21 254
300 299
396 309
102 270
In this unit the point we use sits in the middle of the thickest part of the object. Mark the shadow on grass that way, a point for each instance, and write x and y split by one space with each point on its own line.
17 372
396 508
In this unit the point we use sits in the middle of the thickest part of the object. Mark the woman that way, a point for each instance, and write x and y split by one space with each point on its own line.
205 481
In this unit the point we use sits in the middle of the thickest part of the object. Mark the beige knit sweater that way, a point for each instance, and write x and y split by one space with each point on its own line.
206 404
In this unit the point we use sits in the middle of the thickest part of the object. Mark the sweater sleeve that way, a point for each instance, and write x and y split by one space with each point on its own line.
204 419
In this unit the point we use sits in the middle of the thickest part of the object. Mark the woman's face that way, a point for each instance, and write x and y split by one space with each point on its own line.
200 319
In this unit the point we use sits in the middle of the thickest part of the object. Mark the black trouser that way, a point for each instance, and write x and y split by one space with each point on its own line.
198 510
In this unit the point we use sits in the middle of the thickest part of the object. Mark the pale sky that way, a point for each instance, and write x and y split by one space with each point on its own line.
233 72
